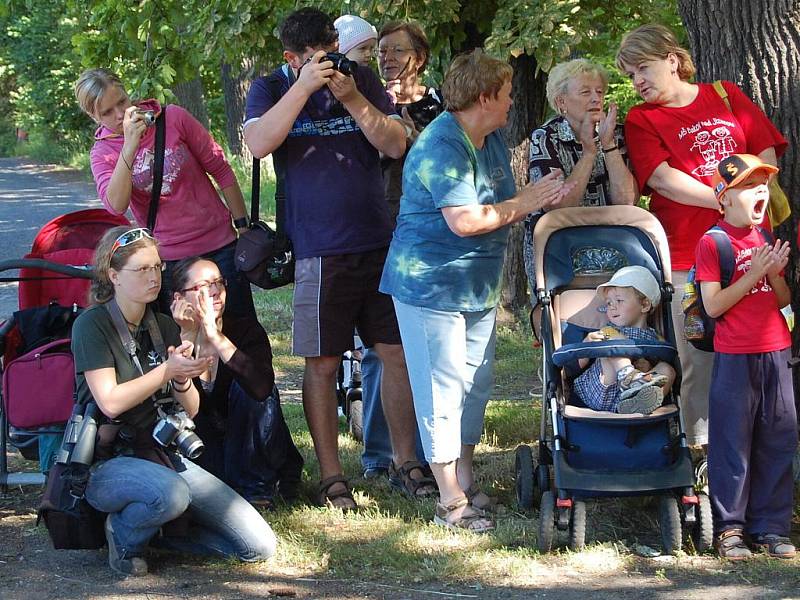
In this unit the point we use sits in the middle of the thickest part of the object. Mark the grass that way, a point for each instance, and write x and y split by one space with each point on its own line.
391 540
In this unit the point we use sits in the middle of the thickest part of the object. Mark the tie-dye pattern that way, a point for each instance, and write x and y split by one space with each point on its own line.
428 265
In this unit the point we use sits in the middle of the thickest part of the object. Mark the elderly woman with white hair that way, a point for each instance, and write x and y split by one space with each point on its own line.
583 140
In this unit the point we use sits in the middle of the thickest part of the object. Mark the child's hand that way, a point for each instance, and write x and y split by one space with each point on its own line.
762 261
594 336
780 252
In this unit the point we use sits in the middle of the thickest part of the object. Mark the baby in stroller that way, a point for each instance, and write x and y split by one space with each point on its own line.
617 383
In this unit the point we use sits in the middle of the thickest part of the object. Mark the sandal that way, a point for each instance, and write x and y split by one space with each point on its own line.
481 500
471 519
342 500
731 546
776 546
401 480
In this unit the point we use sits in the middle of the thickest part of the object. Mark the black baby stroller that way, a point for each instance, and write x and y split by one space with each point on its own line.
348 389
583 453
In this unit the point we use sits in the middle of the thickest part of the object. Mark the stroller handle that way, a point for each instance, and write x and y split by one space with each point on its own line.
82 272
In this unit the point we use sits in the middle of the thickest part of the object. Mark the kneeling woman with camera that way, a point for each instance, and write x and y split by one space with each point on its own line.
131 361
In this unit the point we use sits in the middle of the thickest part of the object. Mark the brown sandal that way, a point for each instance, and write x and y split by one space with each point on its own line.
475 496
776 546
471 519
342 500
731 546
401 480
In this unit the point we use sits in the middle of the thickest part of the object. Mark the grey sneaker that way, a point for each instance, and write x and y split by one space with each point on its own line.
630 381
122 564
645 400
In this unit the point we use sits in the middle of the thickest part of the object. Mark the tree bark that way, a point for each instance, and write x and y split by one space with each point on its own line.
190 96
235 83
528 112
756 44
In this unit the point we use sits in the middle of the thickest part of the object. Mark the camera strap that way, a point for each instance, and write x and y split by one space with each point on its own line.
130 345
158 168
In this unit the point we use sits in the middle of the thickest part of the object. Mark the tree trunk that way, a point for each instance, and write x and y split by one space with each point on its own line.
756 44
528 112
190 96
235 83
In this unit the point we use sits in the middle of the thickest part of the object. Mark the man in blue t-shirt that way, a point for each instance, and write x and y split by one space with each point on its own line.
332 128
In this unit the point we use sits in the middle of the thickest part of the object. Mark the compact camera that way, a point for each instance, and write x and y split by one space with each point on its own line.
176 428
341 63
148 116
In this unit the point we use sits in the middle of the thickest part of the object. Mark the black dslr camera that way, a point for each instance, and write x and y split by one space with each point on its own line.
341 63
174 427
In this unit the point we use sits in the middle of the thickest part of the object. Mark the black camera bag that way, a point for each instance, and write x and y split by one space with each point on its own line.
73 524
265 256
70 520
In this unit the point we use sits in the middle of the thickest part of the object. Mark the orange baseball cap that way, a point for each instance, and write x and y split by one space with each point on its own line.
735 168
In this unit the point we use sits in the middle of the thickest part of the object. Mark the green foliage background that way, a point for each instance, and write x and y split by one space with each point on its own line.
154 44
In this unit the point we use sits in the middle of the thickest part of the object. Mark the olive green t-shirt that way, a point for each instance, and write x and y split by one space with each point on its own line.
96 345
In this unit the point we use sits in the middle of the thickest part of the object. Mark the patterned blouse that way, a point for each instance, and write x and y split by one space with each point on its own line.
553 146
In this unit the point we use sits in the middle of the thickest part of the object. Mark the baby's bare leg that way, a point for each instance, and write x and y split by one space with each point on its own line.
664 368
610 367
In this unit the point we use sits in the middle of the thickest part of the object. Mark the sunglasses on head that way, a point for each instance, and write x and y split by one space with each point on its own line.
130 237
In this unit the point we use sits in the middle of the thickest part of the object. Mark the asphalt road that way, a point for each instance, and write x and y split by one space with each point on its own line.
31 195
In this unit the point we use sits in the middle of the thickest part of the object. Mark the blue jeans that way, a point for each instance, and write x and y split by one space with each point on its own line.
141 496
239 299
377 444
450 359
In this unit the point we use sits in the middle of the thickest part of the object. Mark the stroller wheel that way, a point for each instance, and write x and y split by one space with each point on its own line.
525 482
703 530
669 520
355 420
541 476
577 526
547 522
701 476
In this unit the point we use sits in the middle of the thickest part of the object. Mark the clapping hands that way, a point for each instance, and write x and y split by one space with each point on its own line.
770 260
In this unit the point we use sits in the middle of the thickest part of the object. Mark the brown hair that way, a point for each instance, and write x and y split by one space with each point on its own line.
471 75
102 290
92 85
654 42
419 41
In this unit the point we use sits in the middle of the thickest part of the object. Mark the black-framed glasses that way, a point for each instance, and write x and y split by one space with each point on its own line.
130 237
144 270
217 284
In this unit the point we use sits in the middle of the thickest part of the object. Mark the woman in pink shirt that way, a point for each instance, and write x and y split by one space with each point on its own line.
192 219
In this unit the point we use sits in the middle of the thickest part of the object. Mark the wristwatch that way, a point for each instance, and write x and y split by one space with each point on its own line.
241 223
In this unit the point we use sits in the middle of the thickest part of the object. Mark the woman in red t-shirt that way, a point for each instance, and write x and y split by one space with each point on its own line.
675 139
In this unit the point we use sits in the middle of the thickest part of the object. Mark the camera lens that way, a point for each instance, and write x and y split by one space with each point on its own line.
189 444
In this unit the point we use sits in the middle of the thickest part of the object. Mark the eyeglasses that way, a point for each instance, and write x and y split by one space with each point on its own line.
157 268
130 237
217 284
383 50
